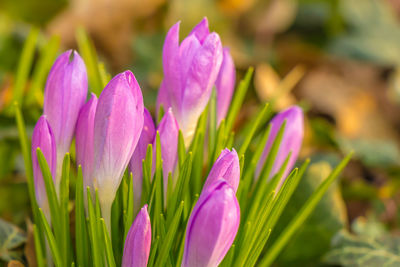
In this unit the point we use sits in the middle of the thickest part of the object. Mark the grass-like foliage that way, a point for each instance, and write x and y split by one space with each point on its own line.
74 236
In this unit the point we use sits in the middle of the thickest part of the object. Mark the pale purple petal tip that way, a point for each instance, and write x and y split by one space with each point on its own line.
138 241
226 167
201 30
84 140
65 94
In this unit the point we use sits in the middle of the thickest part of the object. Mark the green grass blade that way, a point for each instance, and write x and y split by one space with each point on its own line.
153 251
212 118
159 186
147 168
51 194
52 242
107 243
273 152
249 136
169 237
25 64
238 99
47 56
181 149
64 214
303 214
220 142
94 233
181 188
279 204
26 153
228 260
89 55
81 237
248 174
129 209
38 247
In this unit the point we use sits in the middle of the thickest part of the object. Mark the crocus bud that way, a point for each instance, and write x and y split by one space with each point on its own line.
137 242
225 84
226 167
212 226
190 71
64 95
118 123
43 138
136 162
169 132
291 140
84 140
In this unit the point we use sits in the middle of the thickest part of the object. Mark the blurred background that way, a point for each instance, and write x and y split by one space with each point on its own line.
338 59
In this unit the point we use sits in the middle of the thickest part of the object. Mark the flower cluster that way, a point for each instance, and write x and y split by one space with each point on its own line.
113 133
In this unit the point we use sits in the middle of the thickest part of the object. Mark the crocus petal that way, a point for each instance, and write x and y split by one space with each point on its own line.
225 85
187 50
65 94
291 140
43 138
168 130
201 30
171 65
212 226
226 167
118 124
138 241
190 71
84 140
201 78
136 162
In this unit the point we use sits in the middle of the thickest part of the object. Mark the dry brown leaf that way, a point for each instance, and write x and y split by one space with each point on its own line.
29 249
15 263
270 88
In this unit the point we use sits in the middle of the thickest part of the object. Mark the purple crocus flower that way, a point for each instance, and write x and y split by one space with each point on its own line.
212 226
118 123
225 167
225 85
190 71
136 162
169 132
138 241
291 140
65 94
43 138
84 140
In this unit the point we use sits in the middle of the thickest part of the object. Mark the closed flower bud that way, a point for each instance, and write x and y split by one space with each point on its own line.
136 162
225 167
65 94
169 132
190 71
138 241
43 138
212 226
291 140
84 140
118 123
225 85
